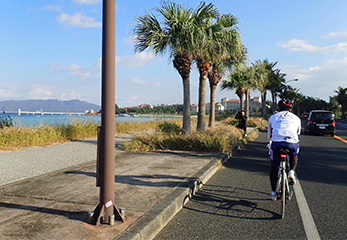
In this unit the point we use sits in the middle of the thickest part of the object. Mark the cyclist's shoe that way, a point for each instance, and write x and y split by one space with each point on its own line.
273 196
291 177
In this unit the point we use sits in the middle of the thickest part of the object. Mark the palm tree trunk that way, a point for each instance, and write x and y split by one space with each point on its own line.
186 107
202 104
203 71
240 93
247 102
263 103
182 63
211 122
273 94
242 105
343 108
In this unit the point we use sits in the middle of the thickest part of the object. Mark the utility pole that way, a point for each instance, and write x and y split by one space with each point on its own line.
106 212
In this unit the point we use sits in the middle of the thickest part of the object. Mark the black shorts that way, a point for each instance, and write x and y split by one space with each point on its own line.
276 146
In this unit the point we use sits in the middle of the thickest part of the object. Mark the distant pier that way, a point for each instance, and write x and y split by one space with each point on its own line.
20 112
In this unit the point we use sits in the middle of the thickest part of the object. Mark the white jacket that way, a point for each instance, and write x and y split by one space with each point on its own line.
284 126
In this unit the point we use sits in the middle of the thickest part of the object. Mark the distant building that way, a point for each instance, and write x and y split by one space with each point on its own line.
229 105
208 107
254 103
218 107
194 108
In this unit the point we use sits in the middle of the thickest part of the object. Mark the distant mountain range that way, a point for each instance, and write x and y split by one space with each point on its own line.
51 105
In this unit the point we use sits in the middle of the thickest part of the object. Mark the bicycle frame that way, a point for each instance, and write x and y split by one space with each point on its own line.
282 187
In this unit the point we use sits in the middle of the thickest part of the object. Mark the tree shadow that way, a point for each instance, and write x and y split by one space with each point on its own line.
153 180
214 202
89 141
78 215
203 155
252 158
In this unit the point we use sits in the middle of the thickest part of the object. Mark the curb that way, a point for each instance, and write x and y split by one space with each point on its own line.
150 224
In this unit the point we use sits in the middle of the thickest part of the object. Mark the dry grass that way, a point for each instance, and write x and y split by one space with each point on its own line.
216 139
259 123
14 138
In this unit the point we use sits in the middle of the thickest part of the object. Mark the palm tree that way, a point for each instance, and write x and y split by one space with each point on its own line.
233 54
238 81
276 83
214 78
177 35
261 74
265 74
220 40
341 98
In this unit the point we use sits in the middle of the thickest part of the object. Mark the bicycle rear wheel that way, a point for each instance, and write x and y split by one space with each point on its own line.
284 191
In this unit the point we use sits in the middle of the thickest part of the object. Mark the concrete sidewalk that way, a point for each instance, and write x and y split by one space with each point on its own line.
151 187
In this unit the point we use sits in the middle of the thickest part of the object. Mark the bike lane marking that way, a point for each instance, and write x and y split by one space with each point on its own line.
305 212
340 138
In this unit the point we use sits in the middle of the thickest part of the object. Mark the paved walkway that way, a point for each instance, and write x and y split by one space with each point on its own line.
47 192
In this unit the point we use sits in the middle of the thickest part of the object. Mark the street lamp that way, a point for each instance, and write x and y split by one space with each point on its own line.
293 80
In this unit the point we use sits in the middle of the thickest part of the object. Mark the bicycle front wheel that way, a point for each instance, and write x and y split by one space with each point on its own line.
283 196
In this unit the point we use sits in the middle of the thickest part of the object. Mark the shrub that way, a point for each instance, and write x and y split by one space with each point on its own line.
216 139
170 128
6 121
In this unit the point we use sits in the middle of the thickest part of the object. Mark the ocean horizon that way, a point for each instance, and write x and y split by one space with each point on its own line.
30 120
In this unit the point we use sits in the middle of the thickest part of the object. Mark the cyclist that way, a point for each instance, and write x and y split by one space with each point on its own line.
284 129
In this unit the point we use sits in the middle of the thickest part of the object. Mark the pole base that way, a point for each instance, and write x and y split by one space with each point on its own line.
99 216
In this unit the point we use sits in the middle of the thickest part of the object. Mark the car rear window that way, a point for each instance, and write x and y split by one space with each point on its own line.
322 115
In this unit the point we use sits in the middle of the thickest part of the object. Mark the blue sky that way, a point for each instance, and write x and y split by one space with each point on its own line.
52 49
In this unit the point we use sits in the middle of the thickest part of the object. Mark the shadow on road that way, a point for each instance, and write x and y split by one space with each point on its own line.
78 216
226 202
155 180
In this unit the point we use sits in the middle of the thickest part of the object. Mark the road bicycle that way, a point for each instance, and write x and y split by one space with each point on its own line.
283 191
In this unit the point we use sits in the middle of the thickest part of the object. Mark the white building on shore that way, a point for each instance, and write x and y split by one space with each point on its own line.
229 105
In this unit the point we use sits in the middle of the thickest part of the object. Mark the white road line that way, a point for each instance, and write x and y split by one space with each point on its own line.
306 216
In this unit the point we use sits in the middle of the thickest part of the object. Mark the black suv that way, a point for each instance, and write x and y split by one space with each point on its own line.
320 122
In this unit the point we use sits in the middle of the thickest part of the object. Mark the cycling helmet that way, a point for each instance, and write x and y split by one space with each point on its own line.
285 104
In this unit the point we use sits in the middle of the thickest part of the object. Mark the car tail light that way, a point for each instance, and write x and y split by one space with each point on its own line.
334 123
310 122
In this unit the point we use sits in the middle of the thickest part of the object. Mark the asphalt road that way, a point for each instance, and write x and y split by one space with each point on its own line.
234 203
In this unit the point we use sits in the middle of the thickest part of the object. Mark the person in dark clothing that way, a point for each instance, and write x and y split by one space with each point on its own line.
241 116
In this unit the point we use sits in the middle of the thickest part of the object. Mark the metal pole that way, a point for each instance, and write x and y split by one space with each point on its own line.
106 167
108 108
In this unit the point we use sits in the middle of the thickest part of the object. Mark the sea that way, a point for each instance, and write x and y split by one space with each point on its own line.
31 120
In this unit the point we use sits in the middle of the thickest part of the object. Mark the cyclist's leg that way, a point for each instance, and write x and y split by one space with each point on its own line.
293 156
275 162
273 177
293 162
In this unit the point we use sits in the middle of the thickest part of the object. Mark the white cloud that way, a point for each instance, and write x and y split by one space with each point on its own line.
77 70
136 60
39 91
78 20
297 45
342 35
54 8
319 81
7 94
129 40
138 81
88 2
